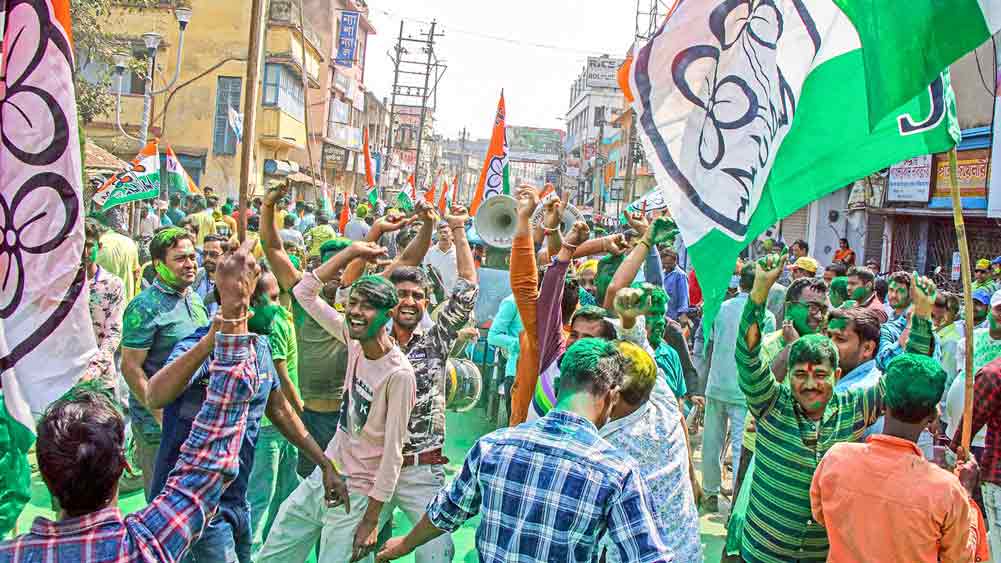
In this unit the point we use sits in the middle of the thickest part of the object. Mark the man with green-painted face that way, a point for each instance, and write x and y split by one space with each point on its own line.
895 334
861 287
380 393
806 309
157 319
797 423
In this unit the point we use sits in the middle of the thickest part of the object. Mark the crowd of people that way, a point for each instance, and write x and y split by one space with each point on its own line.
286 395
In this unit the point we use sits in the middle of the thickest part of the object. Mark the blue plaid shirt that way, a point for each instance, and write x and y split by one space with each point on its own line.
549 490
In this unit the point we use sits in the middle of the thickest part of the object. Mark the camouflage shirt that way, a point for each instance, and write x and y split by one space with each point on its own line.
428 351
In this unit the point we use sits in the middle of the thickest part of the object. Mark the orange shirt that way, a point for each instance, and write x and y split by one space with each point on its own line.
882 501
525 286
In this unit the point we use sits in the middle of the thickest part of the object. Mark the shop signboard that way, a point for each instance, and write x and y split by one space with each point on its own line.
602 72
910 180
340 112
972 179
346 136
342 82
347 38
534 144
957 266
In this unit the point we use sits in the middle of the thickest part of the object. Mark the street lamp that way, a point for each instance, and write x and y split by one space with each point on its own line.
152 41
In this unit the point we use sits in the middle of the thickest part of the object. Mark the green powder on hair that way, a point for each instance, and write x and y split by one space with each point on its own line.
837 323
606 271
332 247
913 383
813 349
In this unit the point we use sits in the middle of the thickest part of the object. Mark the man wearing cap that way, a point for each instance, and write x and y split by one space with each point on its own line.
804 267
934 515
983 276
981 306
357 228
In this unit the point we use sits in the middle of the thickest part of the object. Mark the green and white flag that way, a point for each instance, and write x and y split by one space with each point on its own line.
178 180
750 111
906 43
141 180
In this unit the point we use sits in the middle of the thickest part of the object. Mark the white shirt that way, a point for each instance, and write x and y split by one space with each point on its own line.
953 416
446 265
149 225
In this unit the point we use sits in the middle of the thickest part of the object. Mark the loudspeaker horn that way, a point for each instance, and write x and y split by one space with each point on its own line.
496 221
570 216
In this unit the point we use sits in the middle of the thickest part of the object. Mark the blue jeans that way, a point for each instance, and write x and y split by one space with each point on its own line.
720 414
226 539
271 482
321 426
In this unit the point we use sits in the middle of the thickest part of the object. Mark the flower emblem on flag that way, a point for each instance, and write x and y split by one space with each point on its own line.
25 233
32 126
39 204
495 177
727 97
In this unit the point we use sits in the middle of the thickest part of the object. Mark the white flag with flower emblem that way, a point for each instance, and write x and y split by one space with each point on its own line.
751 110
46 337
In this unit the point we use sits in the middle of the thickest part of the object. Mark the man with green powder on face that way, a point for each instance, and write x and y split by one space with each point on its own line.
894 334
380 393
861 286
157 319
798 422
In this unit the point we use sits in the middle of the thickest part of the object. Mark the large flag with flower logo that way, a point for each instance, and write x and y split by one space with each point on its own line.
46 336
749 111
495 177
178 180
141 180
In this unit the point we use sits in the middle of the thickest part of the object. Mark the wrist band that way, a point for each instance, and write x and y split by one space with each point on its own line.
643 241
570 246
549 230
237 320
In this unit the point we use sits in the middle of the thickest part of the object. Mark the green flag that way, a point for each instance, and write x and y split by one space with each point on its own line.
758 115
907 43
373 197
141 180
404 202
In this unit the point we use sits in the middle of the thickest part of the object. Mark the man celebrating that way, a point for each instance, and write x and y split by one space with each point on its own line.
862 290
934 517
551 489
81 456
155 321
443 257
799 422
982 276
368 446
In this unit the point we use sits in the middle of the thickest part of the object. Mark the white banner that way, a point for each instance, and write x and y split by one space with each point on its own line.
910 180
994 181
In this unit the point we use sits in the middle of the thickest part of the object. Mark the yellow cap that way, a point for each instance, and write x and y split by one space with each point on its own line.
806 263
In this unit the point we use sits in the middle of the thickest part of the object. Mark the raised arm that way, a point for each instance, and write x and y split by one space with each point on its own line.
274 250
456 219
307 292
551 222
175 376
550 306
755 379
525 288
110 321
414 253
384 225
209 458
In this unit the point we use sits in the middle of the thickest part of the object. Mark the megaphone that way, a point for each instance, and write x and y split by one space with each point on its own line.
496 221
570 216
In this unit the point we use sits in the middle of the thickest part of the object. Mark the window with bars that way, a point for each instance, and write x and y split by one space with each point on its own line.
227 96
283 89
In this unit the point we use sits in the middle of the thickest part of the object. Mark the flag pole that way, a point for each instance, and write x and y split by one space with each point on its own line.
964 258
255 60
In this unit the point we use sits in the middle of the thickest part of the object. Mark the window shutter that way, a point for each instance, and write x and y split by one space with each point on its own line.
227 96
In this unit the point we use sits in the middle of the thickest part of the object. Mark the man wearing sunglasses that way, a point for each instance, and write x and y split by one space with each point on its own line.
982 276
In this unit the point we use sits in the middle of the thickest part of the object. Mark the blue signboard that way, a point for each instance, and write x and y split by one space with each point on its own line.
347 39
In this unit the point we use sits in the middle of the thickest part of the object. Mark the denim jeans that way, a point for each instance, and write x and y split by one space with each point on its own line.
304 519
720 414
417 486
992 504
226 539
272 480
321 426
146 449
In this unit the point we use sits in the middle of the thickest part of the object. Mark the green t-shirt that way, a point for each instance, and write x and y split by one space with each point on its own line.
283 347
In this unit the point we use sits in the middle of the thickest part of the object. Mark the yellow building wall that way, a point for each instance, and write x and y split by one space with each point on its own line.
218 31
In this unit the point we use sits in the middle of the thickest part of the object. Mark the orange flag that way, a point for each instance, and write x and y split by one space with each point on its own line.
369 177
429 195
455 189
494 176
442 204
345 214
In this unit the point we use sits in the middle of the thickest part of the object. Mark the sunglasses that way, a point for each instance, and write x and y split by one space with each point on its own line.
982 271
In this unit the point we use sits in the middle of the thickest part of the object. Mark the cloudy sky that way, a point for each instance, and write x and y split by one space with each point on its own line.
533 49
